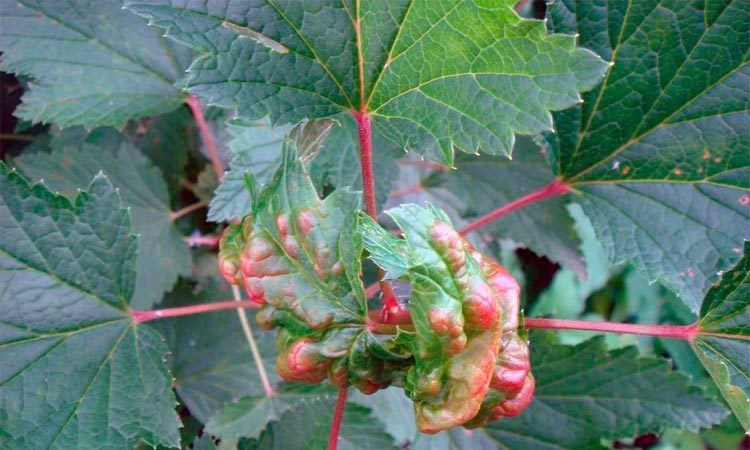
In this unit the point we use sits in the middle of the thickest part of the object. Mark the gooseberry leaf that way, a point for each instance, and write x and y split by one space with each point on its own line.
482 183
659 154
723 339
77 371
470 364
162 253
91 64
311 423
586 393
249 416
427 72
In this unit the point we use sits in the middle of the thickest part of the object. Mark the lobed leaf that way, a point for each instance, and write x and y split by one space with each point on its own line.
659 154
723 339
162 253
77 372
427 72
91 64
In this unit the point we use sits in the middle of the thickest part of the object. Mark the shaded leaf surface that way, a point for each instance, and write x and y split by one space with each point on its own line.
427 71
308 425
162 253
211 361
485 183
249 416
88 378
726 353
92 64
659 154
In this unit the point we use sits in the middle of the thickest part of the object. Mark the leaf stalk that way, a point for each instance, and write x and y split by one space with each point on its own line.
208 139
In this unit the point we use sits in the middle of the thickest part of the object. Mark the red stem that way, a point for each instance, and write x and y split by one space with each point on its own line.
364 129
213 153
188 209
669 331
338 414
208 241
556 187
154 314
373 322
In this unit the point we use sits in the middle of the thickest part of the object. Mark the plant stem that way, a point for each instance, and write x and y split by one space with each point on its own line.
556 187
188 209
338 414
208 241
364 130
155 314
208 139
424 164
378 326
16 137
669 331
251 342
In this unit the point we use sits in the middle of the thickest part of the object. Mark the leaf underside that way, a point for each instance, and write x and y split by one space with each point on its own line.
92 65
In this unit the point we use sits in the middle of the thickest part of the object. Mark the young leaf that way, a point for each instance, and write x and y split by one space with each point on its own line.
659 154
92 64
427 72
307 428
77 372
255 150
723 339
249 416
585 393
162 253
486 182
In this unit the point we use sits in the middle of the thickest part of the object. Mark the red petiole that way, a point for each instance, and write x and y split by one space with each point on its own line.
375 325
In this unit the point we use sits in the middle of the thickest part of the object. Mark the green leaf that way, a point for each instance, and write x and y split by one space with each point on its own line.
470 365
427 72
211 363
307 427
89 377
249 416
92 64
723 340
256 150
484 183
162 252
659 154
585 393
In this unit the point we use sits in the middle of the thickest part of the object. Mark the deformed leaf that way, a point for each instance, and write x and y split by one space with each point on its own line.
76 371
470 365
659 154
162 253
427 72
299 256
723 339
91 64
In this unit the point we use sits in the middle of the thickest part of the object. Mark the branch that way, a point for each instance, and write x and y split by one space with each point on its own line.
251 342
213 153
556 187
668 331
364 130
208 241
155 314
338 414
188 209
